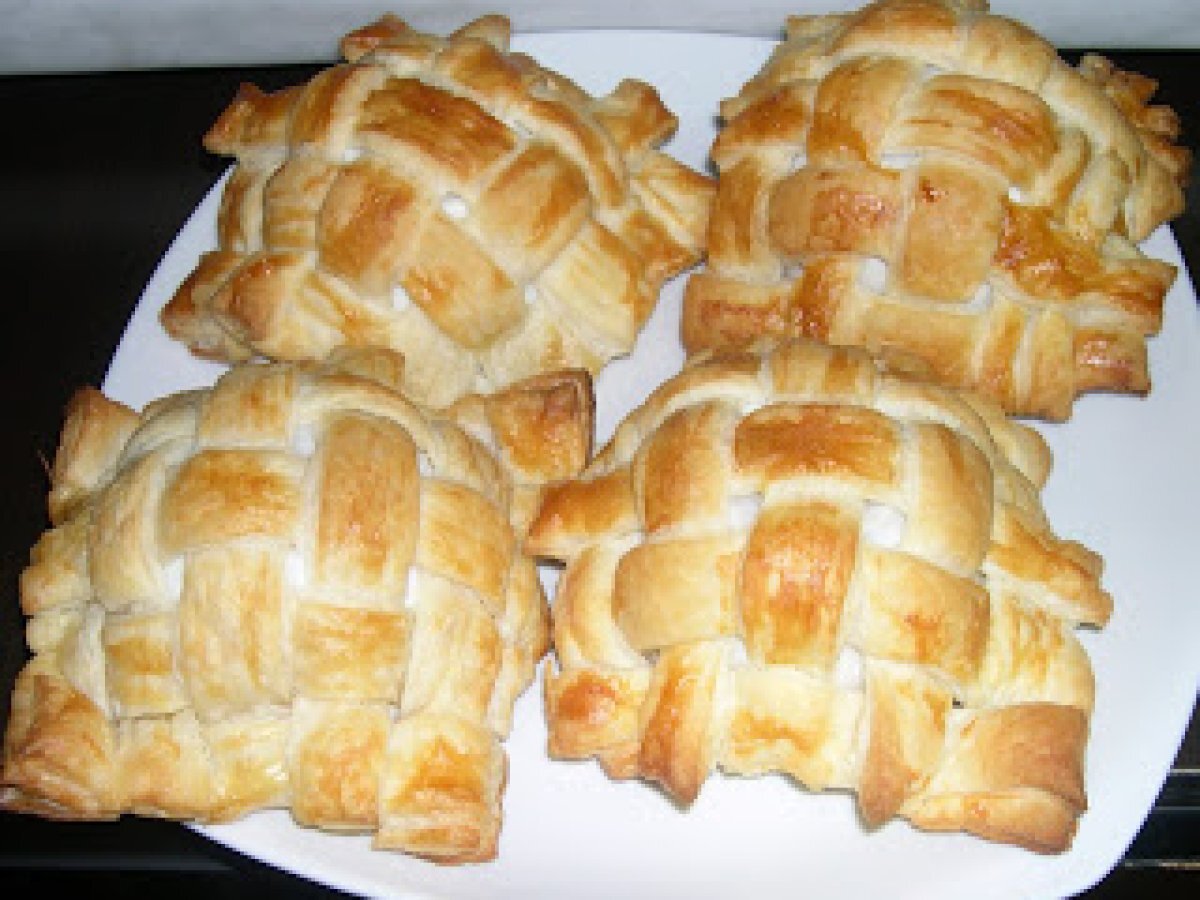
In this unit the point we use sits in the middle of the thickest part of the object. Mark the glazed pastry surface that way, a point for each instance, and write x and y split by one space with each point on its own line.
802 560
922 175
447 198
295 589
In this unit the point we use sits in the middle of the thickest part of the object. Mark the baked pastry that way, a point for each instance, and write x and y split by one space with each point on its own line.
449 199
921 175
800 560
294 589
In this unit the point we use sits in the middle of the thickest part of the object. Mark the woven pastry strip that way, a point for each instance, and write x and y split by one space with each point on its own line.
797 561
295 590
923 176
446 198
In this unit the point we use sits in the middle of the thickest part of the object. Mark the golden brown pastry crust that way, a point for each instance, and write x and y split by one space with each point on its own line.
447 198
1003 191
296 589
800 559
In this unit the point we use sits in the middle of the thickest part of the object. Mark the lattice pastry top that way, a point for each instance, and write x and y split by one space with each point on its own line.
295 589
446 198
797 561
923 175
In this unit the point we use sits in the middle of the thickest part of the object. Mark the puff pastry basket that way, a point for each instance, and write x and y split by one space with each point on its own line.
295 589
447 198
922 175
801 560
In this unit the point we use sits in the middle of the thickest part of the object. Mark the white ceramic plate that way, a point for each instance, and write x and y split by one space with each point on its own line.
1126 483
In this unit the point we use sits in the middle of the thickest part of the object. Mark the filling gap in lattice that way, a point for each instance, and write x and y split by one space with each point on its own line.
873 274
294 572
400 299
743 511
899 160
848 669
455 206
883 525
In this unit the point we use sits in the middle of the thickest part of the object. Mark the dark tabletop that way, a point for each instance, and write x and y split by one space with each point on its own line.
97 175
